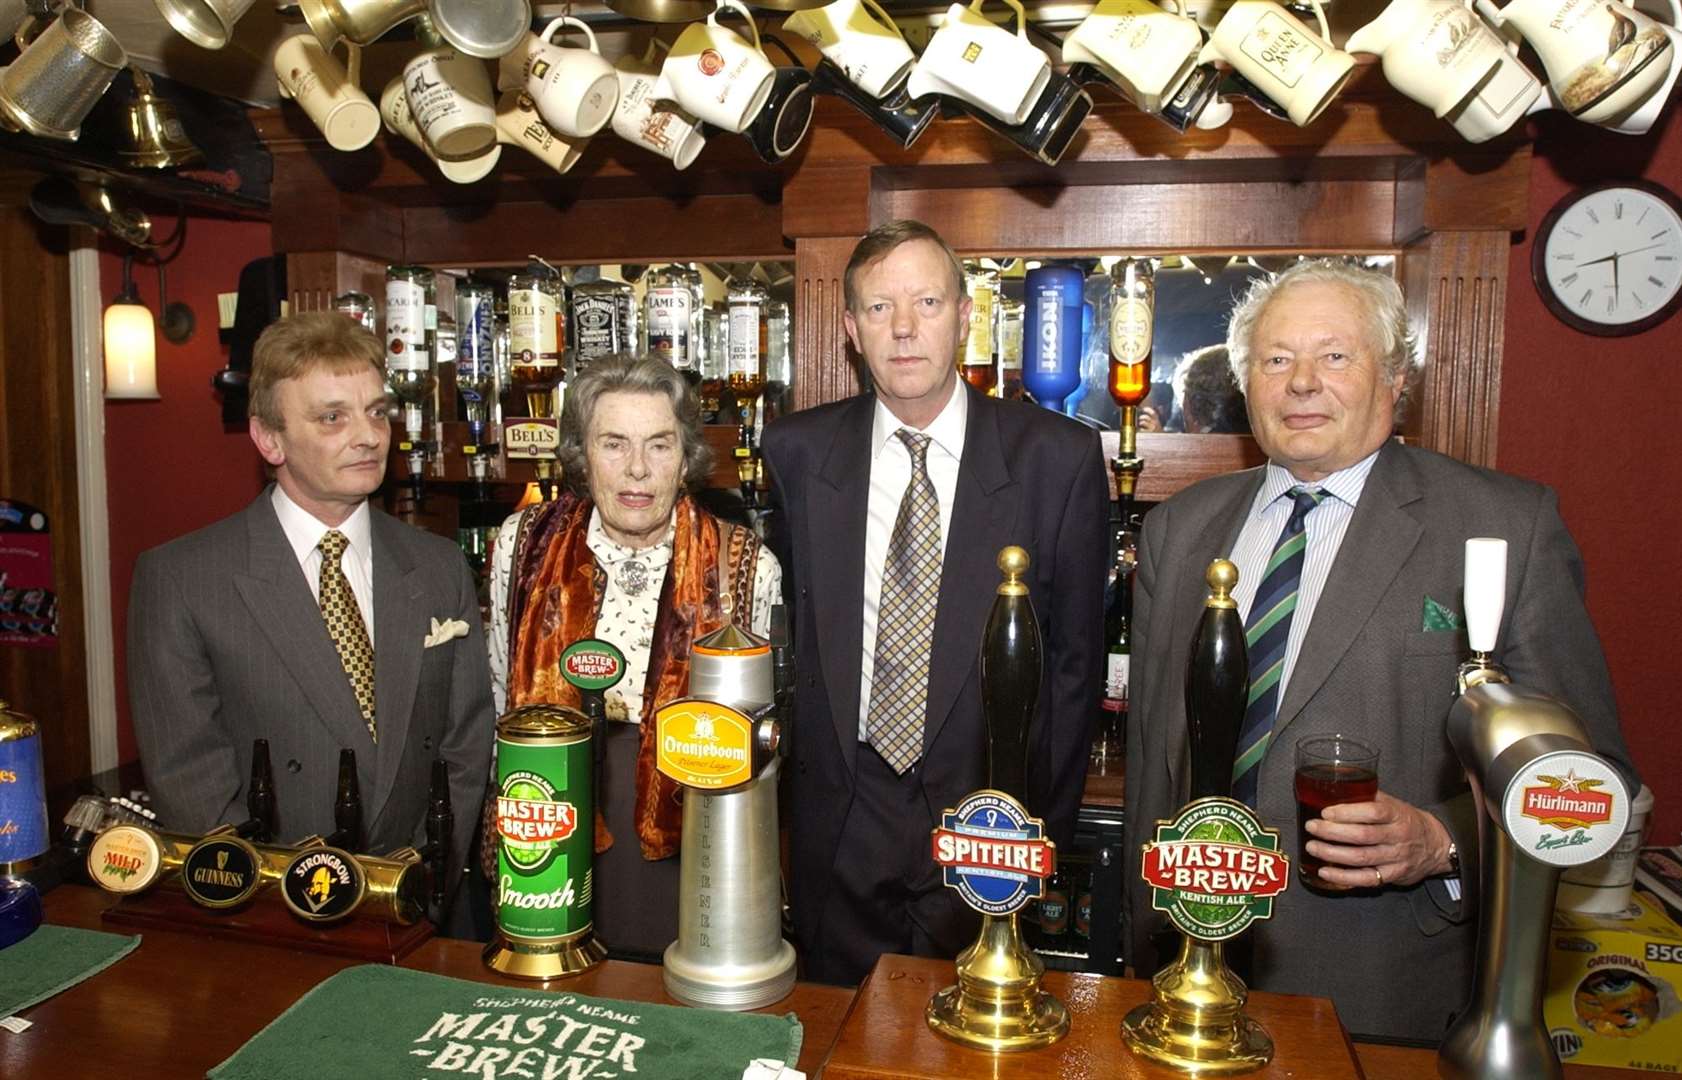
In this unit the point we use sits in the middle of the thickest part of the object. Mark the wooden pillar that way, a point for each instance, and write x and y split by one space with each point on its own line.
1456 286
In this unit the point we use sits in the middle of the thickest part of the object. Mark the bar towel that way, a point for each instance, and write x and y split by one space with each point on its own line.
55 958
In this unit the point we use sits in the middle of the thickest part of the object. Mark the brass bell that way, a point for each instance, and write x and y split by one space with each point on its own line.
155 136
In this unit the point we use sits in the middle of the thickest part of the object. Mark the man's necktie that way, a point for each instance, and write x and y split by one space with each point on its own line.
345 625
899 680
1266 632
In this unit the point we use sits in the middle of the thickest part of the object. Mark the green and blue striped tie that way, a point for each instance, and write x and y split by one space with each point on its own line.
1267 631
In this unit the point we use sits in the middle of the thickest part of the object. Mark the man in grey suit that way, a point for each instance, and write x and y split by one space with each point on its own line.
1369 647
247 628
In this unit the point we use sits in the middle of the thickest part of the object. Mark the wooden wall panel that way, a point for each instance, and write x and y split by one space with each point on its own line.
38 466
314 278
823 369
1456 286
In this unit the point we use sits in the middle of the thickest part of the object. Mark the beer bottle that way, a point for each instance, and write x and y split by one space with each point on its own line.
1132 318
749 305
535 333
1010 348
1118 647
1054 909
1083 907
976 361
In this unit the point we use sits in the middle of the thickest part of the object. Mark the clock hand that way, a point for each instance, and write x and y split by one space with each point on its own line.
1618 255
1614 277
1603 258
1639 250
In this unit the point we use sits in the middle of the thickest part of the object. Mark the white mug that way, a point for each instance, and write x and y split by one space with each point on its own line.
311 76
1604 59
861 39
451 100
1435 51
1640 119
715 73
394 110
972 58
664 129
575 89
519 123
1144 50
1286 60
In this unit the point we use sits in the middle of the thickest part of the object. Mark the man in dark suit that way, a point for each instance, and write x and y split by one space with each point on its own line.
247 628
895 505
1364 641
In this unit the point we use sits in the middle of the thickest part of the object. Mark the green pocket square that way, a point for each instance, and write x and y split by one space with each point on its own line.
1438 617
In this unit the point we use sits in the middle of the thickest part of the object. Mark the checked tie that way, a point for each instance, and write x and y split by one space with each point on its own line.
345 625
1265 637
899 681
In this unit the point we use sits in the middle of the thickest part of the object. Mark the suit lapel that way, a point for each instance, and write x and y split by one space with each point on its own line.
283 606
837 504
983 510
400 622
1380 537
1212 539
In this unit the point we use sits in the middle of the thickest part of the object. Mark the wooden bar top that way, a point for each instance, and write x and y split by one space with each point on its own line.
885 1035
183 1002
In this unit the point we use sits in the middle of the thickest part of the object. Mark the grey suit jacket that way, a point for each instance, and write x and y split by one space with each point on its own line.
1397 962
226 645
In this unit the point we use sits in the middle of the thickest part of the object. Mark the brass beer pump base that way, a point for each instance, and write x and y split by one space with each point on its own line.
997 1004
545 960
1195 1021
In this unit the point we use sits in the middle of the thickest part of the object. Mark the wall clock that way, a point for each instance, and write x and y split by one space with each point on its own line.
1608 259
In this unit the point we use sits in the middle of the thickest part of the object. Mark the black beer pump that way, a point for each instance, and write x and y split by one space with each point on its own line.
440 826
347 806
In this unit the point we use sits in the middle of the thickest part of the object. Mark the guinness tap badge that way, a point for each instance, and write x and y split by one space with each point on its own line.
323 884
221 872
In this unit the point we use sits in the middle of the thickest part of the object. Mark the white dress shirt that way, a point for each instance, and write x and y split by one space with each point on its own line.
890 475
1324 525
304 532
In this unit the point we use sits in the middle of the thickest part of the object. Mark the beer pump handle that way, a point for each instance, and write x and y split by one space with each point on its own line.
1485 591
347 806
782 673
260 797
1010 676
440 826
1217 685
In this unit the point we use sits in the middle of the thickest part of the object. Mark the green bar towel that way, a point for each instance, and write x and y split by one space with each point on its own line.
55 958
376 1022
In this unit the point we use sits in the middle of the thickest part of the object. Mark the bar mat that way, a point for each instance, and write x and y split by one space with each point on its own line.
55 958
377 1022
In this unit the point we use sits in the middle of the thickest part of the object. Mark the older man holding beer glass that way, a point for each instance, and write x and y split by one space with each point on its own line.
1349 547
627 556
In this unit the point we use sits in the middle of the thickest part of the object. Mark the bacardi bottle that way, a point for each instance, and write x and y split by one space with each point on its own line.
408 340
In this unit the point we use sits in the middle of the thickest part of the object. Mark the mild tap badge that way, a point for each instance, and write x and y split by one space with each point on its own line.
993 853
1214 870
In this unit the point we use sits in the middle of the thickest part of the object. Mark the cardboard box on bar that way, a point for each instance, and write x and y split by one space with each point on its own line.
1613 989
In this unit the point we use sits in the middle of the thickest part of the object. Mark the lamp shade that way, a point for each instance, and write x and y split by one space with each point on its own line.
131 364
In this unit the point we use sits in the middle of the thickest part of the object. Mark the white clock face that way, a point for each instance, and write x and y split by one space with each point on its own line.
1615 256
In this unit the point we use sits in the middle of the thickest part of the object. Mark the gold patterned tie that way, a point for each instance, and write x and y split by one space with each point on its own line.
899 680
345 625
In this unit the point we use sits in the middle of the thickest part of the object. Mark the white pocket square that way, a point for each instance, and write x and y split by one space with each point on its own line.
448 630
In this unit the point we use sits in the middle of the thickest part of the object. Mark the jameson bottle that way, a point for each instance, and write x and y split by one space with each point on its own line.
977 363
408 353
535 334
749 305
1010 348
1132 319
668 318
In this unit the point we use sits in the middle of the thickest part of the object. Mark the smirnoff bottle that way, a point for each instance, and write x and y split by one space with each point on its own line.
408 338
535 332
476 352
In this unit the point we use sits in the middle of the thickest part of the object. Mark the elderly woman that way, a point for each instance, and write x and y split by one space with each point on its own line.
626 556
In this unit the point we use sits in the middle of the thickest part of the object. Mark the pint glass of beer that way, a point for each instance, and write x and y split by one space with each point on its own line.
1331 769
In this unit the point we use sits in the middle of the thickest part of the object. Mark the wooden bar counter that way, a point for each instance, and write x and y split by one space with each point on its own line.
182 1003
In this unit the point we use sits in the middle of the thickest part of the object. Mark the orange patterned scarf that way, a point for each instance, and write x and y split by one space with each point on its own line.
557 591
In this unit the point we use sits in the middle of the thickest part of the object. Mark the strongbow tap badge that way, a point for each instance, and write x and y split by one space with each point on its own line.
1214 869
994 854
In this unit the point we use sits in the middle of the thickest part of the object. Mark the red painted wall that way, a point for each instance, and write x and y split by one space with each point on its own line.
1596 418
170 465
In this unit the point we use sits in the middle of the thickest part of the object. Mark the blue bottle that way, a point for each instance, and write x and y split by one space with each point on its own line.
1051 333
